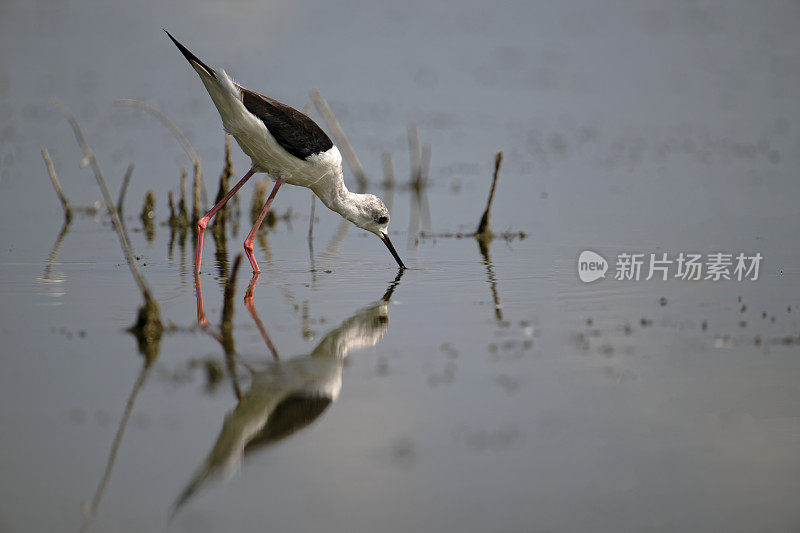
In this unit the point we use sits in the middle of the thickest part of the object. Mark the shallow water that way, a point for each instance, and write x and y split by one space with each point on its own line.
483 389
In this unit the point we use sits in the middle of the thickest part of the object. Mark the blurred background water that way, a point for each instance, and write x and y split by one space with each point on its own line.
492 390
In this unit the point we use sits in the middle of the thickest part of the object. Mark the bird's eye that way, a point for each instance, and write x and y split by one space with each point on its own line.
383 220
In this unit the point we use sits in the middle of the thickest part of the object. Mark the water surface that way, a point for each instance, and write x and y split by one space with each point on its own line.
490 390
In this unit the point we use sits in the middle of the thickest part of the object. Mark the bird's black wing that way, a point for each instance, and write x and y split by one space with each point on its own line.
294 131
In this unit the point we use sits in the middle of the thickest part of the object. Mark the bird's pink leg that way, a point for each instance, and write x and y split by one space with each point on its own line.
203 222
248 242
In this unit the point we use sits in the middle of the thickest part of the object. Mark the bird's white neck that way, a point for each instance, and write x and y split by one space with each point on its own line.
336 197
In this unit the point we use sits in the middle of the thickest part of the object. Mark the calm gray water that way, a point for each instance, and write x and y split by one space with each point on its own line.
482 390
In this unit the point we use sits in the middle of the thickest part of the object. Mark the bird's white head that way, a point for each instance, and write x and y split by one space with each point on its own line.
367 211
370 213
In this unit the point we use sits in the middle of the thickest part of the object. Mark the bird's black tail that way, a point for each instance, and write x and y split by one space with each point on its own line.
191 57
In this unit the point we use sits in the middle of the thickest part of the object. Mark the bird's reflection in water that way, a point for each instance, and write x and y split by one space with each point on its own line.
287 395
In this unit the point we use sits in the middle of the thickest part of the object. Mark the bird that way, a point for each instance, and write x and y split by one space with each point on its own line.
291 148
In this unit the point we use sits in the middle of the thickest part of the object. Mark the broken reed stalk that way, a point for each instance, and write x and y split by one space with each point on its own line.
483 225
175 131
101 182
124 188
56 185
341 139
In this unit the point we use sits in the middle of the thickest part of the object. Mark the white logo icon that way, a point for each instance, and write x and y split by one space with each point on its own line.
591 266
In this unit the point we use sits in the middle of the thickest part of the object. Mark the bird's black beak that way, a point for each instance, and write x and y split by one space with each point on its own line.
388 243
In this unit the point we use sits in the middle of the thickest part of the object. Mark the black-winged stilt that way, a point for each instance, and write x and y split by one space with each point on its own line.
290 147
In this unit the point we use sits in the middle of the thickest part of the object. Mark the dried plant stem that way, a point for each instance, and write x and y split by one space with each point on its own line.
182 202
101 182
197 182
483 226
425 165
388 178
171 204
224 178
421 184
413 152
56 185
388 170
341 139
175 131
124 188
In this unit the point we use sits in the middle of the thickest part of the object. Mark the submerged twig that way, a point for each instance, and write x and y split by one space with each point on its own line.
483 225
54 179
340 137
175 131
